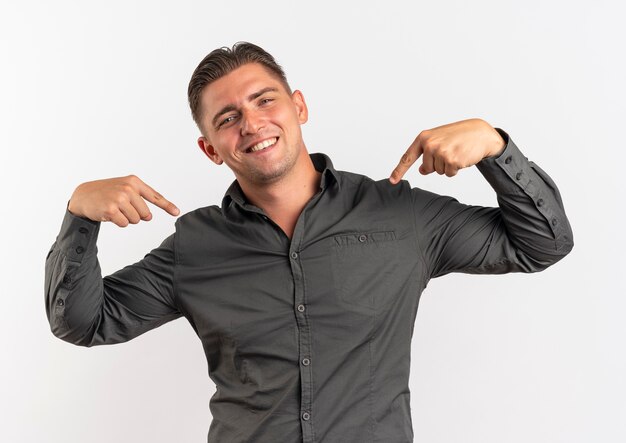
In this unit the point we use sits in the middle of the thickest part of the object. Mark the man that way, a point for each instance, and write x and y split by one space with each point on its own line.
304 285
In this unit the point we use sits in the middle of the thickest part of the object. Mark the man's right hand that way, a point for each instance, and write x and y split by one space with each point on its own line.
119 200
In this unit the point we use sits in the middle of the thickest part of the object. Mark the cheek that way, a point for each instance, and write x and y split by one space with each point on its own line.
227 140
287 117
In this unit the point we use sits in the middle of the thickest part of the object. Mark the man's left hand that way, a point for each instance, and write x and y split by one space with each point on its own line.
448 148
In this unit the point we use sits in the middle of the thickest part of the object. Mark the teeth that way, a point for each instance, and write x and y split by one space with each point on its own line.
263 144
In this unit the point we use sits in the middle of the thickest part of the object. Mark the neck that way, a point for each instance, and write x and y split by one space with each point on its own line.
284 199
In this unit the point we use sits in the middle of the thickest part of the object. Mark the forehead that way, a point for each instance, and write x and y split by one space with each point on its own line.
236 86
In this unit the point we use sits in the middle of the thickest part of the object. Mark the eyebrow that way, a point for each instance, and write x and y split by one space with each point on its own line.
253 96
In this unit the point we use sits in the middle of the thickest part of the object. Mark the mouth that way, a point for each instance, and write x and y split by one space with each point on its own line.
262 145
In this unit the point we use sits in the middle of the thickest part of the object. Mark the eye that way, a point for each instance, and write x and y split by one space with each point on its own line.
265 100
227 120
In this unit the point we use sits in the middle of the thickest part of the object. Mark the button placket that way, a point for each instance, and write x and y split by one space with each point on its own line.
305 346
297 263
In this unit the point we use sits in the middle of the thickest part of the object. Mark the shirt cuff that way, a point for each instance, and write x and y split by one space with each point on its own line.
513 163
512 174
77 237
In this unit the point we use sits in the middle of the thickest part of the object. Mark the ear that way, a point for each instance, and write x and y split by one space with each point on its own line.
209 150
301 109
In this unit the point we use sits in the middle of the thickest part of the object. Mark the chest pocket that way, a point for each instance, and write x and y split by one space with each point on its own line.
363 268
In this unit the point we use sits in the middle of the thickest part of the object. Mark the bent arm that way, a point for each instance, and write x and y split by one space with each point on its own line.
85 309
528 232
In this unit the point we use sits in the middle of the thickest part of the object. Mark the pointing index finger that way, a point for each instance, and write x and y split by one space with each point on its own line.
408 159
154 197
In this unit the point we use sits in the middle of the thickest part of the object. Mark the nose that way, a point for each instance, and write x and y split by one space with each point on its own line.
251 122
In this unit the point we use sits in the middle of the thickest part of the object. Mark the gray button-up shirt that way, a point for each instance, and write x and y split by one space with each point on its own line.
308 339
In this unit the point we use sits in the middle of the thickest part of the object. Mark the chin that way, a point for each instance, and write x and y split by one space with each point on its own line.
277 172
270 176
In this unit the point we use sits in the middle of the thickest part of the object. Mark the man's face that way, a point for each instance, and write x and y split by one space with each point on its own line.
251 123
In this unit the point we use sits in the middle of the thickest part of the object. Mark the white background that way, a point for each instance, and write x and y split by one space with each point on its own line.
92 90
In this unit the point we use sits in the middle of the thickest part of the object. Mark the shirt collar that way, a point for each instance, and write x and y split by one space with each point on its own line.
321 162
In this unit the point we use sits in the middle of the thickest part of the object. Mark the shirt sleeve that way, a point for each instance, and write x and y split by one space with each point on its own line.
85 309
528 232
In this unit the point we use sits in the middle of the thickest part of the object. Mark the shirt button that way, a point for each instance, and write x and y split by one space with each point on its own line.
80 250
67 279
306 361
540 202
306 416
362 238
518 176
554 222
60 302
294 255
300 308
508 160
83 230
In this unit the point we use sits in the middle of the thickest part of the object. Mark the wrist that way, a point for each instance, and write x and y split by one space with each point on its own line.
72 210
497 146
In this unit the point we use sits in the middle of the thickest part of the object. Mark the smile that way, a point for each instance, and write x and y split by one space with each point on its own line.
263 145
